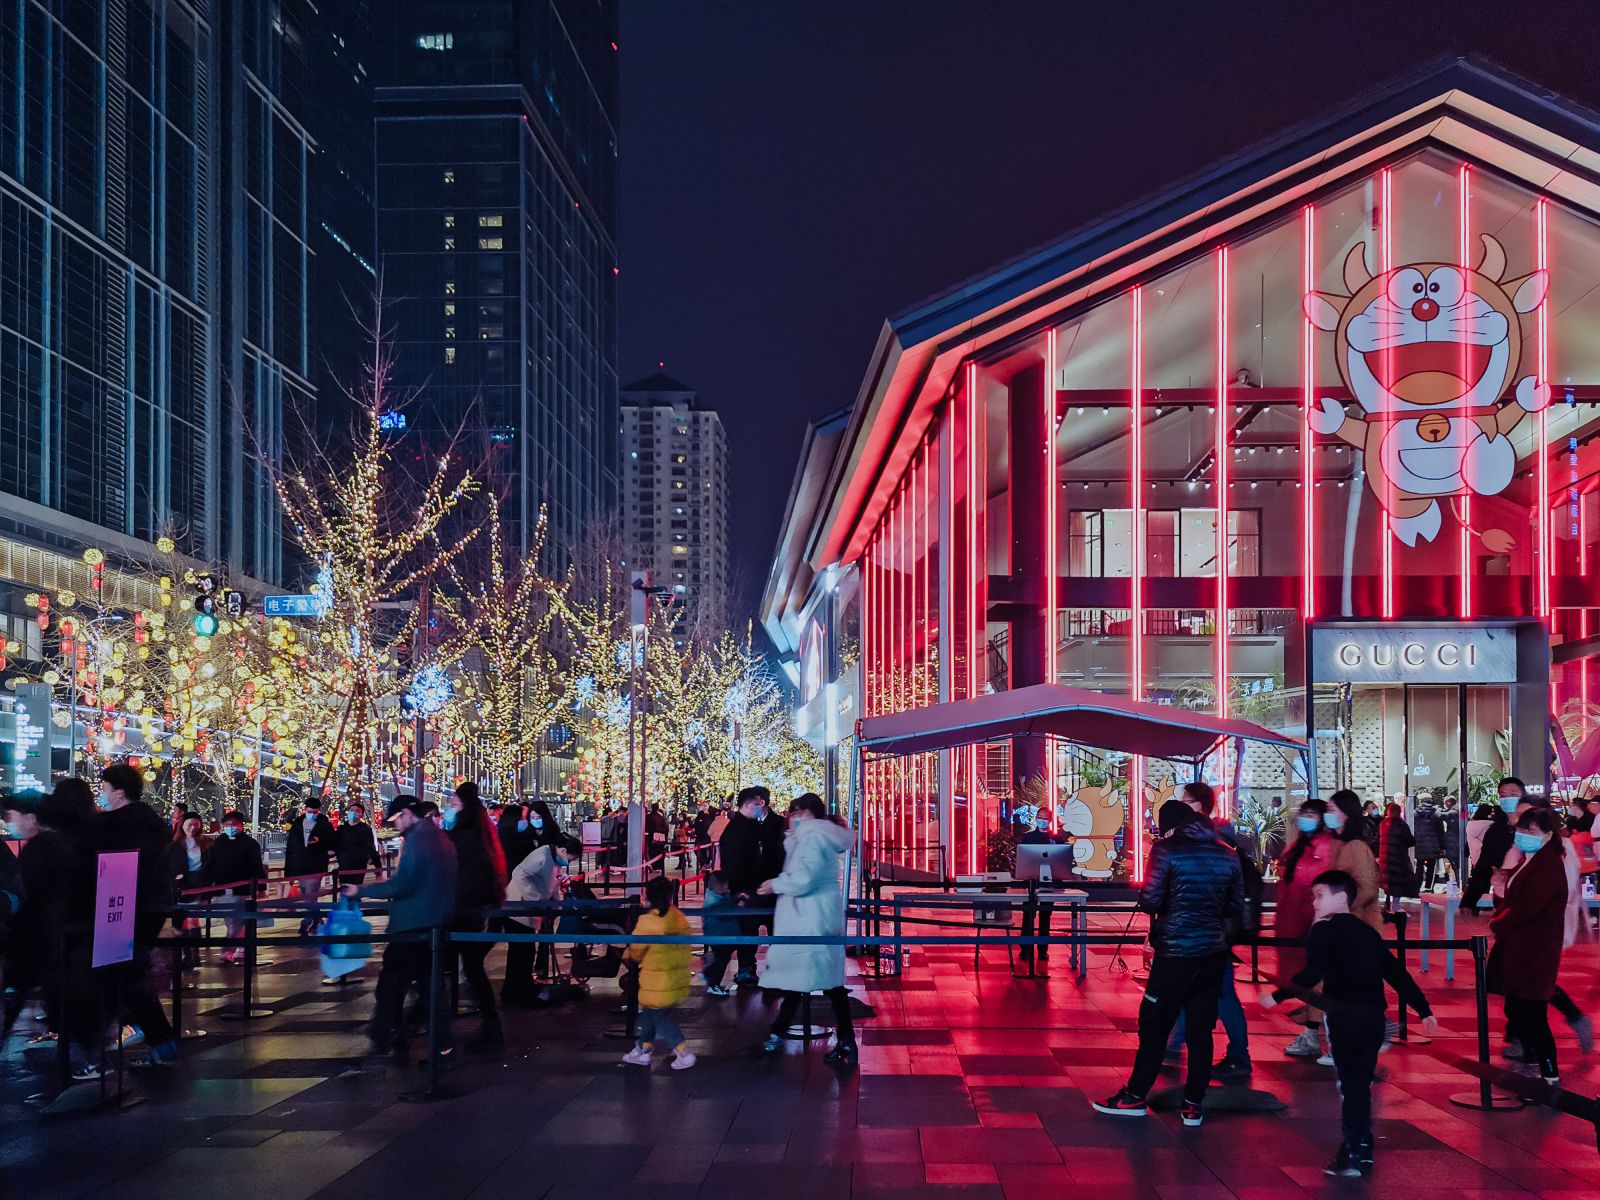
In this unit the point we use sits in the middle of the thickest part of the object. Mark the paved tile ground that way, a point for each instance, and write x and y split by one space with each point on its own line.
972 1086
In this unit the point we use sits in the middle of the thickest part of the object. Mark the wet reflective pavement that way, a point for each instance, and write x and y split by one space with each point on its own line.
970 1085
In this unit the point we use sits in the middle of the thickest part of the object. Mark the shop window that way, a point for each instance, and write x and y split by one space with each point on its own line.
1178 543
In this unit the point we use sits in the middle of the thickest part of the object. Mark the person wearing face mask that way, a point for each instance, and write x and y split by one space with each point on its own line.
745 859
1354 856
236 860
356 846
188 854
421 895
536 879
1309 855
1497 842
56 878
480 885
1528 929
1582 1027
127 823
517 835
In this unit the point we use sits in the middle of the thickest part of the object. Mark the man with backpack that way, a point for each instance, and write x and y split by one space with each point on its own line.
1235 1064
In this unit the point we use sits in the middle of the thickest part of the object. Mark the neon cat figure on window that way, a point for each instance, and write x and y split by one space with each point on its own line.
1428 356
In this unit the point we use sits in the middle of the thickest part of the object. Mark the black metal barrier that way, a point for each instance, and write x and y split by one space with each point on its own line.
867 914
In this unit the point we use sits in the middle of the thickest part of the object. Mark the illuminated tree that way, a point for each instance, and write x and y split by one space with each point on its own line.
372 548
503 655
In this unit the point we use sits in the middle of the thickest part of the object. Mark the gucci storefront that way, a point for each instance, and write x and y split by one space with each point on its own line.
1309 440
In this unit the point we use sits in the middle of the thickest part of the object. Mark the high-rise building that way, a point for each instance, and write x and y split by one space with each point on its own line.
185 204
297 255
674 477
497 152
108 289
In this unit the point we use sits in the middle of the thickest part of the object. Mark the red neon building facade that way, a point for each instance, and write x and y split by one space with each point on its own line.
1255 463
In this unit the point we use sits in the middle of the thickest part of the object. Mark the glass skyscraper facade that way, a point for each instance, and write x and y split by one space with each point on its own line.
107 282
297 248
496 209
186 239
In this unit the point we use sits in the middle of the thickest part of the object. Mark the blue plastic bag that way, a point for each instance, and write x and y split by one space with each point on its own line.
342 958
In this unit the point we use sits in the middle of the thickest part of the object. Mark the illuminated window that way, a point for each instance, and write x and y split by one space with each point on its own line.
436 41
490 221
449 287
449 354
449 333
449 243
676 550
449 220
449 175
491 243
487 332
450 309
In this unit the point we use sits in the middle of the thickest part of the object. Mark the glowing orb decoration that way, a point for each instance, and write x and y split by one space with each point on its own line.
430 690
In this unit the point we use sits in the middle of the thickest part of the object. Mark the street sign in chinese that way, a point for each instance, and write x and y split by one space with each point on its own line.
292 606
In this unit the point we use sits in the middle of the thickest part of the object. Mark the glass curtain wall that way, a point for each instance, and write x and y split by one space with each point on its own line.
1382 405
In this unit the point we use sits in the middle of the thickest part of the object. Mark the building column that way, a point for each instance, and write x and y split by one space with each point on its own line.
1030 558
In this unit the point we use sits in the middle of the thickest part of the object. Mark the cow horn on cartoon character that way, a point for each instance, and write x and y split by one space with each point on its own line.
1428 350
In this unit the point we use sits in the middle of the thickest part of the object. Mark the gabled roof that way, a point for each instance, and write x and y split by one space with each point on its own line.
1075 715
1469 108
659 382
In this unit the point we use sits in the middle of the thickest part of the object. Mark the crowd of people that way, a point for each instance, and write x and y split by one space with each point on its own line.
459 864
1337 880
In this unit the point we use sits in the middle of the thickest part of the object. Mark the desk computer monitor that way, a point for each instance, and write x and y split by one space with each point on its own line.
1044 863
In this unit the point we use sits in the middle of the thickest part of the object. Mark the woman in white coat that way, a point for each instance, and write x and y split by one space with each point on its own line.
810 902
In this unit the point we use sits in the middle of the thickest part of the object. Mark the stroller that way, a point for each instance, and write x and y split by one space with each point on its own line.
589 962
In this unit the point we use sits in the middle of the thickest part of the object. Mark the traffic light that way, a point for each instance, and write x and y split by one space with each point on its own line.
205 605
205 615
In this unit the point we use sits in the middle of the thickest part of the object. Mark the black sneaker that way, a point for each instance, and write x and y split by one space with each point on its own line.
1231 1067
745 977
1364 1154
844 1054
1192 1116
1344 1164
1123 1104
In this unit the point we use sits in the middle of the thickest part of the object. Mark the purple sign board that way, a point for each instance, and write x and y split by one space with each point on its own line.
116 883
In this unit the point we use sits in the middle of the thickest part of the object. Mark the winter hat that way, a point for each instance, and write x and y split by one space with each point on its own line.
1175 815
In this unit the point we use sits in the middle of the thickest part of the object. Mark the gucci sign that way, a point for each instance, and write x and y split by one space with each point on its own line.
1396 654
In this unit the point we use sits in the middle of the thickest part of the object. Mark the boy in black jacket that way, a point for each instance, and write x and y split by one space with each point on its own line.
1349 959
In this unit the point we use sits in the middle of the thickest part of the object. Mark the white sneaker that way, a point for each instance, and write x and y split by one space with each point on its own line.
1324 1060
683 1060
1307 1045
639 1056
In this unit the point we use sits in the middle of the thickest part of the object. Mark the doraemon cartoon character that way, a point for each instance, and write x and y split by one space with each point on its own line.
1428 350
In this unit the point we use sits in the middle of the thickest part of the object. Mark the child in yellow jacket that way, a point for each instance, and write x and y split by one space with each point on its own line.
663 978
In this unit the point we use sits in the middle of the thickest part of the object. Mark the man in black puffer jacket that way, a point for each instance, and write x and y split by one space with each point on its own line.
1193 889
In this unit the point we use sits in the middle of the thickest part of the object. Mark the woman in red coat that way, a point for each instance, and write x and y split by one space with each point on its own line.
1528 928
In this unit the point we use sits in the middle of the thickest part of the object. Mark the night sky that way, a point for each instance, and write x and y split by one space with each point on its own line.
795 172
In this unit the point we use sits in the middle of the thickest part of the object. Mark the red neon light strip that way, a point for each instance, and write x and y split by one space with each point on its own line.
1308 401
1463 252
974 563
1136 797
1385 263
1220 457
925 656
1049 557
1546 559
